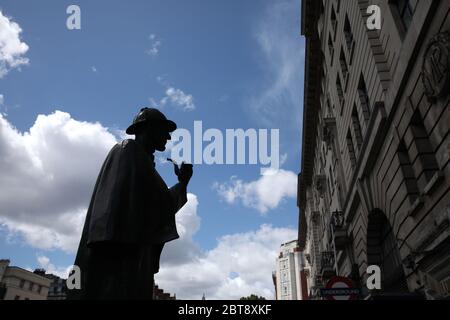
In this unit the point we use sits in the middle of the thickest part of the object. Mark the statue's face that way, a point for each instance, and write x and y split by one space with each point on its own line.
158 135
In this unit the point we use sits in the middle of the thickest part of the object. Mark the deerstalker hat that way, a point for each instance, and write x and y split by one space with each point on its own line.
149 115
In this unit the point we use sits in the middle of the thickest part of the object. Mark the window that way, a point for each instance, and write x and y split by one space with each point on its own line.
329 189
17 298
348 34
39 289
364 98
30 286
357 128
351 149
344 66
340 91
329 108
320 23
406 11
332 180
22 284
285 290
331 49
333 21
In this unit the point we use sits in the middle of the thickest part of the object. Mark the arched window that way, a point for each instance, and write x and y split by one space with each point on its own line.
382 250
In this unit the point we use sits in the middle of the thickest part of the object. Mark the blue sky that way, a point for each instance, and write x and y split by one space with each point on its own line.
230 64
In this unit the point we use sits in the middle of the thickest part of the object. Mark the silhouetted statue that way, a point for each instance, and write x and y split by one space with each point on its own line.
131 215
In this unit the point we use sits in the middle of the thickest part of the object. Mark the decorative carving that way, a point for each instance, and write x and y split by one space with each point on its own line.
337 220
308 258
435 68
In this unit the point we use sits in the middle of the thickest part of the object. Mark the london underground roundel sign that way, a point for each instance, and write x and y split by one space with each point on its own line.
340 288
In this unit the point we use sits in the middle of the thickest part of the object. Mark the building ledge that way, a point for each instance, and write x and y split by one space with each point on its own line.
435 182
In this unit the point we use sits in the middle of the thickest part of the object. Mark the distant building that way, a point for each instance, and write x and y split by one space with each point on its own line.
289 278
159 294
58 287
20 284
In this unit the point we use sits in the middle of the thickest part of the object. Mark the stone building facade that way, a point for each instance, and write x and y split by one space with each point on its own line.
375 175
20 284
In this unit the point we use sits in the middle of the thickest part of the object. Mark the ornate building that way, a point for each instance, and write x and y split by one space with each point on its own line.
375 175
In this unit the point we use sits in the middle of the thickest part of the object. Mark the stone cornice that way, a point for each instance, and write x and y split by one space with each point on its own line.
312 92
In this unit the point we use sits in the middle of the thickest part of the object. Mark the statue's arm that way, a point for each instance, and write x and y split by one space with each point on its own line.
178 194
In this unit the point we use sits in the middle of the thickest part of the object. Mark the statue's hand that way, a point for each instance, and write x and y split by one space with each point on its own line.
184 173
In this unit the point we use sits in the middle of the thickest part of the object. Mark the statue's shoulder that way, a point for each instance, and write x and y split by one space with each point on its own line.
128 143
123 149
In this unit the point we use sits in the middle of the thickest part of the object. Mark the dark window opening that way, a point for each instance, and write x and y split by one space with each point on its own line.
351 149
357 128
406 11
348 35
344 66
382 250
364 98
331 49
339 90
333 21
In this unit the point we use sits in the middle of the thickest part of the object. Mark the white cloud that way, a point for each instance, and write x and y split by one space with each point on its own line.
155 45
264 194
94 69
50 268
122 135
153 103
12 49
48 174
2 100
282 50
178 98
173 96
240 264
